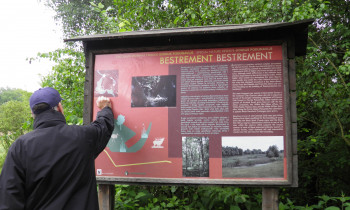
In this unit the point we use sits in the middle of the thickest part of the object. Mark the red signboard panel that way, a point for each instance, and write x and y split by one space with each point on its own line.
195 114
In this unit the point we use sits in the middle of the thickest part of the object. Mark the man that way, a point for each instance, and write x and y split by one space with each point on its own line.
52 167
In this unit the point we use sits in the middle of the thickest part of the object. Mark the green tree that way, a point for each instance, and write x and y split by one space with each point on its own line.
324 105
75 16
68 77
12 94
12 116
15 118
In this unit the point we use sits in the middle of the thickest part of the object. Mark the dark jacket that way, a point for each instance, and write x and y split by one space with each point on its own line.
53 167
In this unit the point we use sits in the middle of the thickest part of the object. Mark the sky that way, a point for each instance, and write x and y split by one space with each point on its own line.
253 142
26 28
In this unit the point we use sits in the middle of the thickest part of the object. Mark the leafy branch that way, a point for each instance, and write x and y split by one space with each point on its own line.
332 64
344 137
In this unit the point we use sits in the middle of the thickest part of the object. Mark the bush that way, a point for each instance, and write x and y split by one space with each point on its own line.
183 197
272 151
210 197
325 202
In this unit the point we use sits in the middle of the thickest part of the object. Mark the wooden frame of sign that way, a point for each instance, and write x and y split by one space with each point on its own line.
203 105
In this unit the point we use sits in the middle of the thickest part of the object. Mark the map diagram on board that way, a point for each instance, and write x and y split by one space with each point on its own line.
121 134
106 83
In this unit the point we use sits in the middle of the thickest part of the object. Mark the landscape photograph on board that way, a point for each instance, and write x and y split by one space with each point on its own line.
253 157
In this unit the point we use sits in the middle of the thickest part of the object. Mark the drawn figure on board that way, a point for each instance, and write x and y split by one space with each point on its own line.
157 143
121 134
106 83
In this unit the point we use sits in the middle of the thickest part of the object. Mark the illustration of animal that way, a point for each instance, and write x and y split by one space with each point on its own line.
157 143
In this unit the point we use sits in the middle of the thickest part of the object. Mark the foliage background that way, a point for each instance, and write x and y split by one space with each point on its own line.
14 117
323 83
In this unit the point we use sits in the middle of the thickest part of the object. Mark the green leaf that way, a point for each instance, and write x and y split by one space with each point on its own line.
176 20
121 25
140 195
235 208
332 208
100 5
193 16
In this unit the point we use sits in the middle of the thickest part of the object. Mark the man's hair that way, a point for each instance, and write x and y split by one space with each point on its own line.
46 95
41 107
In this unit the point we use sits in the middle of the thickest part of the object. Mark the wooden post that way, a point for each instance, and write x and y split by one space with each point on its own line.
106 196
269 198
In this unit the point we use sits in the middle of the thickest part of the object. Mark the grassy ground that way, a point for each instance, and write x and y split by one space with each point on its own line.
252 166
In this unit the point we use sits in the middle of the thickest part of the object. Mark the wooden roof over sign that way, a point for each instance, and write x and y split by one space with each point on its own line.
200 35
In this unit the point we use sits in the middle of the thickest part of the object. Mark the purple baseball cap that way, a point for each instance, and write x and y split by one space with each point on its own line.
46 95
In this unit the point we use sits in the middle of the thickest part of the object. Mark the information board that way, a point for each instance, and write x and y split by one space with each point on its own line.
195 115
